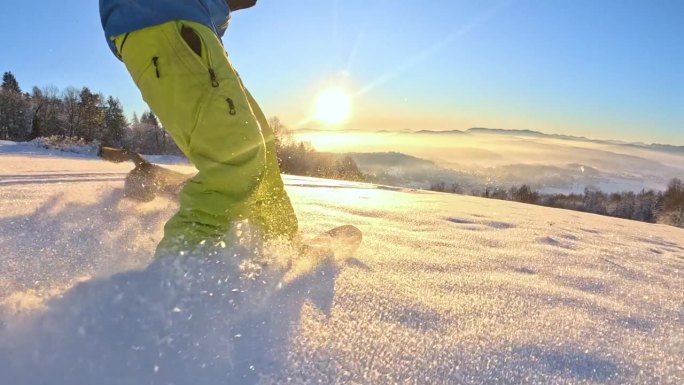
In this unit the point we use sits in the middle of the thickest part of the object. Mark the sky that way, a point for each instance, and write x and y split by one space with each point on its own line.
601 69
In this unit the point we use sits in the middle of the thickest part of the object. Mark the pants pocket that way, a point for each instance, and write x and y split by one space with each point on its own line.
194 51
227 130
192 39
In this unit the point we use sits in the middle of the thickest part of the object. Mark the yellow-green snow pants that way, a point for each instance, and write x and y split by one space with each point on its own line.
186 78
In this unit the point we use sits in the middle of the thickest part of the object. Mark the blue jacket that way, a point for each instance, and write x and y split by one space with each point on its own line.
122 16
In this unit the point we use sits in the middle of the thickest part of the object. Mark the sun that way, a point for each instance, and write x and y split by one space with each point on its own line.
333 106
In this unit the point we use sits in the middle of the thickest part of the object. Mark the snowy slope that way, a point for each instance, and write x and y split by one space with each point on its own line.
445 289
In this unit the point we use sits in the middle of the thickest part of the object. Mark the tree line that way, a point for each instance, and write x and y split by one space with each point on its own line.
76 115
647 205
300 158
81 115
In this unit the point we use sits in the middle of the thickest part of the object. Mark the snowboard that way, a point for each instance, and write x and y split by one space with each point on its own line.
146 180
341 241
331 248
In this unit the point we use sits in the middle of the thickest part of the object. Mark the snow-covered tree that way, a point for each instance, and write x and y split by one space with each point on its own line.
71 111
148 136
91 113
14 110
114 123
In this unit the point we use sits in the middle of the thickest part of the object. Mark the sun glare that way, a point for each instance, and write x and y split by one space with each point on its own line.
333 106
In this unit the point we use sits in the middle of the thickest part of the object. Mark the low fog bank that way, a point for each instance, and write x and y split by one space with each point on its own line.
483 157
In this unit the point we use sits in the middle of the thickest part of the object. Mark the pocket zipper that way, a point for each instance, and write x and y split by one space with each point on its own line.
212 73
231 105
155 61
212 76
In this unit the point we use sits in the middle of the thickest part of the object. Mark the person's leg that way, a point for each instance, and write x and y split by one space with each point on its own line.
274 210
187 80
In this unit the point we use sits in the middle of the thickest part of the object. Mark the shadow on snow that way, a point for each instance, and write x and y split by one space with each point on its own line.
177 321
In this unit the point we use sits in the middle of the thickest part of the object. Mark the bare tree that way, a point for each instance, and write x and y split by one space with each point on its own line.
71 110
673 203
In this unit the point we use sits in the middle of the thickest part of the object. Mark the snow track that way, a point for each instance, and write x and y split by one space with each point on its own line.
6 180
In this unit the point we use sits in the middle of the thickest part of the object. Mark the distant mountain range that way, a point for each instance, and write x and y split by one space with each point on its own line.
538 134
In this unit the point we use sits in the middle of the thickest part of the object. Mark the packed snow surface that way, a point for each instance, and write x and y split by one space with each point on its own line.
444 289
